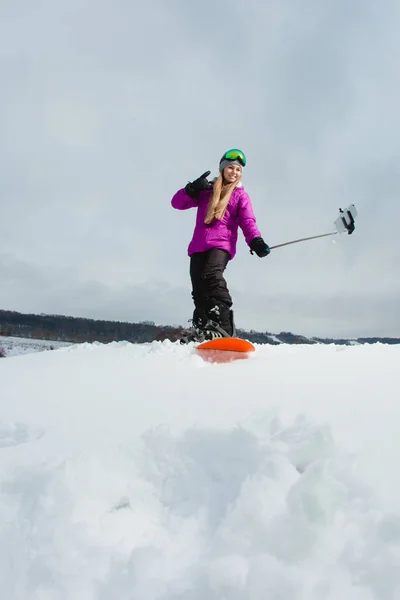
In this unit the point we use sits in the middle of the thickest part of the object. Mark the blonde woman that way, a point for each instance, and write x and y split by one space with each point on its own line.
222 207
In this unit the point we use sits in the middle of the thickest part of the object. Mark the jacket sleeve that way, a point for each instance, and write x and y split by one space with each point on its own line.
181 201
246 218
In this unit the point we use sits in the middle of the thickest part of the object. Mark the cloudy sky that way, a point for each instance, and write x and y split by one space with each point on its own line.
108 107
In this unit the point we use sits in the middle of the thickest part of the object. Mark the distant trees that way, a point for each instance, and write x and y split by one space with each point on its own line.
78 329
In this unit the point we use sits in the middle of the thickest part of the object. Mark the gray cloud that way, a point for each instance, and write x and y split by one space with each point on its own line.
107 109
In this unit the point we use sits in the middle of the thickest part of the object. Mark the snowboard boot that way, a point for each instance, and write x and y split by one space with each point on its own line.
201 335
210 331
194 333
217 322
200 318
221 319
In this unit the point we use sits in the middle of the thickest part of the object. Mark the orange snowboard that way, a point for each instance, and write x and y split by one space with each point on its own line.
225 349
232 344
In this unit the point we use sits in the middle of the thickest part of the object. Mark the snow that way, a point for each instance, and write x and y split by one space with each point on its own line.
275 339
142 472
14 346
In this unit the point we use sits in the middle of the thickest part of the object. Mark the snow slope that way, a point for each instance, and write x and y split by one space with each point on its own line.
141 472
14 346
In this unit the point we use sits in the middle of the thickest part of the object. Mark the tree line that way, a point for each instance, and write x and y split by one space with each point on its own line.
81 329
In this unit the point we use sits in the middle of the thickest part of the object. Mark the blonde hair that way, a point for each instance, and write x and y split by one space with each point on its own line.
219 199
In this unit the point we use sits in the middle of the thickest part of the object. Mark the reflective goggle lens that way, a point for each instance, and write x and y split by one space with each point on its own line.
236 154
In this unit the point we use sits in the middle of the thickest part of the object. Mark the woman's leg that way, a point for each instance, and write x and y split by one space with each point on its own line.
197 264
215 288
210 291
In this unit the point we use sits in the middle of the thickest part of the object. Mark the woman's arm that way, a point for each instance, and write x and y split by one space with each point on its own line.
246 219
181 200
187 196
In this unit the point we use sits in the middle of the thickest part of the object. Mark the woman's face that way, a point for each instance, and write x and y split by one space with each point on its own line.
232 173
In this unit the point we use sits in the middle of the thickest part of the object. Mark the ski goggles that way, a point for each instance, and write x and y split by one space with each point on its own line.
235 154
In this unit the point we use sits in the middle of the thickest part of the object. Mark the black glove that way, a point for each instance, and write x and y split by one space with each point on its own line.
198 185
259 247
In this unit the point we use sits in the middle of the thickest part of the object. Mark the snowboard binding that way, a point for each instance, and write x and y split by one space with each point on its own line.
211 331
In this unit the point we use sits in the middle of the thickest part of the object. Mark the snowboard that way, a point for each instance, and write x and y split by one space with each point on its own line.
225 349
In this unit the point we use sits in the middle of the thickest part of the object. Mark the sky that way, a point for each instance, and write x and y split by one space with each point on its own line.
107 109
263 482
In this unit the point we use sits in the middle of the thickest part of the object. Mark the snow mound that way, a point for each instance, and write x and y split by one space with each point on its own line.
121 477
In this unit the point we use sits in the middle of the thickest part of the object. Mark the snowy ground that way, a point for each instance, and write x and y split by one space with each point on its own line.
13 346
141 472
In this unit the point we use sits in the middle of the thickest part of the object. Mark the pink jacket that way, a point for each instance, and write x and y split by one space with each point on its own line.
219 234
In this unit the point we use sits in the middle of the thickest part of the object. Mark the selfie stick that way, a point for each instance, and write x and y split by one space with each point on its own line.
345 222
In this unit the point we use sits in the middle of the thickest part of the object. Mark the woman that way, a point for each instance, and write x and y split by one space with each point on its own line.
222 207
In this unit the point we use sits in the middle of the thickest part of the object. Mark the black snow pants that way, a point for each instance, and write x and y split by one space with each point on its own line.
210 293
